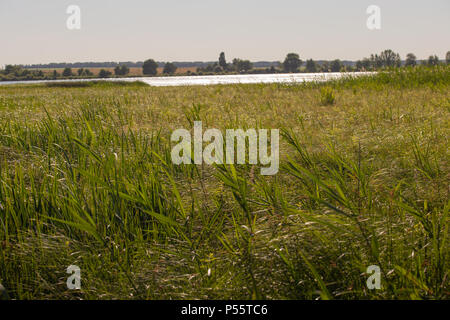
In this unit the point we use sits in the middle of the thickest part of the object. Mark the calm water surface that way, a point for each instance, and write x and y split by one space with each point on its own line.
218 79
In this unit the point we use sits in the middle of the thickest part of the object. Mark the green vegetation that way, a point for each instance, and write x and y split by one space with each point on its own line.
223 61
86 179
93 83
336 65
104 73
240 65
150 67
291 64
67 72
121 70
169 68
433 60
411 60
327 96
311 66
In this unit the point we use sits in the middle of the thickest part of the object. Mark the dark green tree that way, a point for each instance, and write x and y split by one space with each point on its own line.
359 66
311 66
121 70
375 61
366 63
433 60
104 73
150 67
292 62
389 58
169 68
411 60
324 67
125 70
67 72
242 65
447 57
222 61
336 65
12 69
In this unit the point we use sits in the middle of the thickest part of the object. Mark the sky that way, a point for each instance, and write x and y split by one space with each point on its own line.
34 31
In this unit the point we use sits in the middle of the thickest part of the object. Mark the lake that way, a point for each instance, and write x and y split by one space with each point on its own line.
218 79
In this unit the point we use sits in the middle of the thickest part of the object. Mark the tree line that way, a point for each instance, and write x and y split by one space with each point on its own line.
385 59
14 72
291 64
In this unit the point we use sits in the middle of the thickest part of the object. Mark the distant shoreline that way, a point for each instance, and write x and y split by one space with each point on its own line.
210 79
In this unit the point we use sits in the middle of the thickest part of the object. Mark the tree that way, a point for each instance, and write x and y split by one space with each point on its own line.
104 73
292 62
55 74
433 60
80 71
349 68
336 65
222 61
12 69
324 67
363 65
359 65
447 57
67 72
242 65
389 58
150 67
375 61
366 63
311 66
411 60
121 70
125 70
169 68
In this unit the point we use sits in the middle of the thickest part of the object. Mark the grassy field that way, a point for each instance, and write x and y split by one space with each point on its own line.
86 179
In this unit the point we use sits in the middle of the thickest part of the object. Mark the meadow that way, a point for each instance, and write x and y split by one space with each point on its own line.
86 179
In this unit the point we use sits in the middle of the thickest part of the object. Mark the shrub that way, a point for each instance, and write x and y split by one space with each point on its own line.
150 67
169 68
104 73
67 72
327 96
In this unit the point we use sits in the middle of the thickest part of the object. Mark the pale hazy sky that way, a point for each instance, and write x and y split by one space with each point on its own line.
34 31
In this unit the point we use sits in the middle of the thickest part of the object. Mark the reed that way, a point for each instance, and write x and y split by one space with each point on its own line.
86 179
